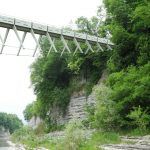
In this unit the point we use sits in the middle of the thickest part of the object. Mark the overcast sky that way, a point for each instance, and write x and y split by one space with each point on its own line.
15 91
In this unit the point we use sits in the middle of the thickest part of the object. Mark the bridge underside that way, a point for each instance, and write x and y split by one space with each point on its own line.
29 31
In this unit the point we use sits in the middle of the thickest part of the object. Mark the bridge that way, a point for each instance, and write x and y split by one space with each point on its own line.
37 31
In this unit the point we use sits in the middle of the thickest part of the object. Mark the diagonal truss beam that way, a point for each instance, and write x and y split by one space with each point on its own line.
21 43
65 44
51 42
17 35
4 41
77 46
37 45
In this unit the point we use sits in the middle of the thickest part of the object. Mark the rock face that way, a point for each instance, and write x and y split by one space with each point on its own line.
75 109
78 102
130 143
34 122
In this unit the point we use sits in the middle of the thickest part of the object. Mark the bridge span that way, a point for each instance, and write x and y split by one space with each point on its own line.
52 33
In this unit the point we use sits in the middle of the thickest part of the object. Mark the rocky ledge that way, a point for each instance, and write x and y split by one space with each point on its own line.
130 143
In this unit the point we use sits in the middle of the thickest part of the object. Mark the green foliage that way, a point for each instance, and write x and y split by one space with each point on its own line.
141 17
89 67
140 118
115 103
128 22
137 132
22 133
33 109
130 88
88 26
100 138
31 138
124 53
10 122
106 116
74 136
29 112
50 78
89 121
40 129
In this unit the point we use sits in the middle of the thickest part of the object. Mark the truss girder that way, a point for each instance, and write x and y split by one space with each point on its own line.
51 33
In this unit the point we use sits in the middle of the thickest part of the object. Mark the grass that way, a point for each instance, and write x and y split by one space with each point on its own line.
30 139
138 132
100 138
135 132
36 142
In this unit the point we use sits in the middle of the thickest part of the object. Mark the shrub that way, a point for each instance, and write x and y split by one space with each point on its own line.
74 136
22 134
40 129
139 118
106 117
90 111
130 88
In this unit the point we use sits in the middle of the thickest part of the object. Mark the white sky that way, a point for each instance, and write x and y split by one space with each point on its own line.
15 93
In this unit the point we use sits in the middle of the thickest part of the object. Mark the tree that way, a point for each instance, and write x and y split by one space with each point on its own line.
106 117
130 90
10 122
50 78
129 25
29 111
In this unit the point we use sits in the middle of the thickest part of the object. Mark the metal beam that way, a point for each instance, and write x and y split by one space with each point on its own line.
21 44
4 41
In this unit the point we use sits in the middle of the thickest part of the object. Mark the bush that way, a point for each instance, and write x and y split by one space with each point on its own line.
90 111
139 118
23 134
40 129
31 139
74 136
106 116
130 88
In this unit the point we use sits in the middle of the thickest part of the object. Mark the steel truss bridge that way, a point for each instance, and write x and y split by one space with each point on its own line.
37 31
